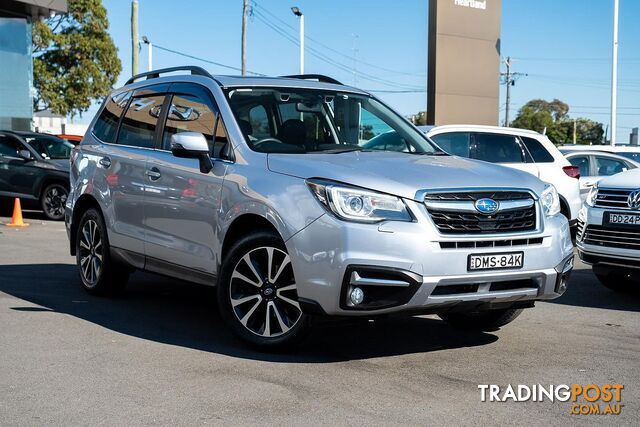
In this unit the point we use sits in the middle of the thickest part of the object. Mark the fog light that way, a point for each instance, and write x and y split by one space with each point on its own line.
356 296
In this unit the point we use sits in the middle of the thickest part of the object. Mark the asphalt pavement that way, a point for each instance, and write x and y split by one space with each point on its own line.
159 354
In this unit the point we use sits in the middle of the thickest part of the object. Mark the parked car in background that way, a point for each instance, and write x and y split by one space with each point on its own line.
263 187
627 151
35 166
521 149
74 139
609 231
596 165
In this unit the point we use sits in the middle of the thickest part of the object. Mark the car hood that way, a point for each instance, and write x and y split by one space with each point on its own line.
402 174
629 179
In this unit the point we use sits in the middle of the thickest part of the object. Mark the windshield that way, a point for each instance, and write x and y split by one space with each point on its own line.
630 155
285 120
50 147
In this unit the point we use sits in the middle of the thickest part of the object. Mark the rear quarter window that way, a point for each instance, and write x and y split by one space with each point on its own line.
537 150
107 123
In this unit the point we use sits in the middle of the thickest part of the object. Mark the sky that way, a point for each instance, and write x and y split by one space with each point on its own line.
564 47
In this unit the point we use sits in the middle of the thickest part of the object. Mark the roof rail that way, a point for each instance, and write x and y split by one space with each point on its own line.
319 77
195 71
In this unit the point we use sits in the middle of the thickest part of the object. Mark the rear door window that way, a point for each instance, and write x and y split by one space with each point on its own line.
456 143
9 146
139 122
496 148
537 150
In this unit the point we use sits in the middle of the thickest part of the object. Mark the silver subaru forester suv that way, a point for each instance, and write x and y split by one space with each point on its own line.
299 197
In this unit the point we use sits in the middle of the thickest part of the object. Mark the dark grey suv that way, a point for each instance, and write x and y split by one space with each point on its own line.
35 166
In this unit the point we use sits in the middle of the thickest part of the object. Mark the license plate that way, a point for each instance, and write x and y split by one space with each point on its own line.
499 261
622 219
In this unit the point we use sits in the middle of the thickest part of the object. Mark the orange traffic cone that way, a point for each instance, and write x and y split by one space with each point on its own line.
16 219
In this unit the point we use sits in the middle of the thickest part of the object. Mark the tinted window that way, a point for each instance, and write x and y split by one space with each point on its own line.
581 162
630 155
50 147
456 143
9 146
189 113
607 166
107 123
537 150
258 123
496 148
139 122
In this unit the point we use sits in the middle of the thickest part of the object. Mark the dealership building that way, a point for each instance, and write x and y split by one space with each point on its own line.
16 77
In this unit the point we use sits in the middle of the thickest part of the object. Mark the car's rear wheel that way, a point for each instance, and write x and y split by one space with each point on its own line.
53 200
490 320
257 293
618 279
99 273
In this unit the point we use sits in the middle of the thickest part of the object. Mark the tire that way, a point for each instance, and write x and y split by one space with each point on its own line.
618 280
258 303
100 275
52 201
491 320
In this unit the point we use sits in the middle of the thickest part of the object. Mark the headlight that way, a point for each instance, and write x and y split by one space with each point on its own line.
592 196
356 204
550 200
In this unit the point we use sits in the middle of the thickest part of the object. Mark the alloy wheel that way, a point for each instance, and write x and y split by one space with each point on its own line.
263 292
90 252
54 201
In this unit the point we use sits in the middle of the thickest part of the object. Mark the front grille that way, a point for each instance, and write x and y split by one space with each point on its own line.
580 230
473 244
598 235
469 221
610 198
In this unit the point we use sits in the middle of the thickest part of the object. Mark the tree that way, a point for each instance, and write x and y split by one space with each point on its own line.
74 58
553 117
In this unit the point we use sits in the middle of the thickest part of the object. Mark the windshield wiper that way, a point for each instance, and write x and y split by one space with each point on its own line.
432 153
338 150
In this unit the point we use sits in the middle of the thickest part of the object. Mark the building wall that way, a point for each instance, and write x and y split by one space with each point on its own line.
16 75
464 62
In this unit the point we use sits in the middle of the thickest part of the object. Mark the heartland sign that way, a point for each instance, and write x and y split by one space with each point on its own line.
475 4
464 62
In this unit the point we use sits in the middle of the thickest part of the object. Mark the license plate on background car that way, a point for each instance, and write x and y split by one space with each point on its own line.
499 261
622 219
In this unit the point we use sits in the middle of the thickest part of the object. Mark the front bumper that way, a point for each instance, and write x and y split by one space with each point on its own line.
597 254
324 254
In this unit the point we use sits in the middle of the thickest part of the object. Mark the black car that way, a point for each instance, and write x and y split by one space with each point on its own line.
35 166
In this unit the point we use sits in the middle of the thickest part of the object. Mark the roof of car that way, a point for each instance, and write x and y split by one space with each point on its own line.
484 128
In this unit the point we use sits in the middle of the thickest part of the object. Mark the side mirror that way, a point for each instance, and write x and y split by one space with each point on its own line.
25 155
192 145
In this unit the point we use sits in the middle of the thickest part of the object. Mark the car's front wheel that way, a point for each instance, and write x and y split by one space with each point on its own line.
618 279
257 292
53 200
490 320
99 273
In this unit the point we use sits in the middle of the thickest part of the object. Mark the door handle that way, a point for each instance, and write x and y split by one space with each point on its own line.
105 162
153 173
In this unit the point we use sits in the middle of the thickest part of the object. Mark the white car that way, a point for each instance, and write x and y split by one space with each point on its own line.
521 149
609 231
628 151
596 165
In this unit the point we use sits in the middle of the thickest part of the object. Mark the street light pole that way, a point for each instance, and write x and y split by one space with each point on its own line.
614 73
134 37
146 41
296 11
